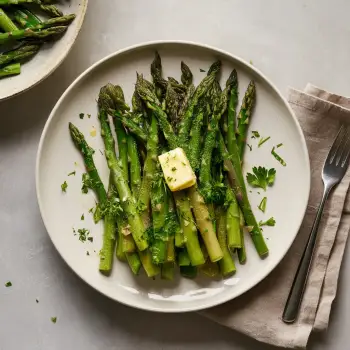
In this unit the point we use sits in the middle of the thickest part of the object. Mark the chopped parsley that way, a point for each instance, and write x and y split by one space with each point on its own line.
279 158
81 115
8 284
269 222
53 319
251 62
173 169
83 234
91 210
82 217
262 205
261 177
91 239
64 186
101 152
250 147
279 145
87 253
255 134
89 116
72 173
37 301
263 140
201 70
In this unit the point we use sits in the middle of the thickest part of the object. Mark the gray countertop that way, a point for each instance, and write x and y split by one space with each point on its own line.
292 42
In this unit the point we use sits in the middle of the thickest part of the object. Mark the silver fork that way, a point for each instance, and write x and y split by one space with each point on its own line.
334 170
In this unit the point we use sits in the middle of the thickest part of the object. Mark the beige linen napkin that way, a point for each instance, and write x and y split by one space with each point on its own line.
258 312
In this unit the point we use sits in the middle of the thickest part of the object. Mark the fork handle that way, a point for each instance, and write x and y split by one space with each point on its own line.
296 293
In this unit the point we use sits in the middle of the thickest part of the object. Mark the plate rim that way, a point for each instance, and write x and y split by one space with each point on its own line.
221 52
84 6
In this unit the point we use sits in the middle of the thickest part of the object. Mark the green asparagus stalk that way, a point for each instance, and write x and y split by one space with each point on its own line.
173 228
234 170
233 221
127 200
186 76
106 254
231 112
189 229
51 10
185 125
157 75
188 271
148 171
135 166
18 2
241 252
168 270
160 204
22 53
6 23
194 147
21 34
227 265
244 117
134 262
57 21
183 258
26 18
151 269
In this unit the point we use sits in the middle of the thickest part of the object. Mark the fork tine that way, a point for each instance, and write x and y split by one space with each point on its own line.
337 142
342 147
345 161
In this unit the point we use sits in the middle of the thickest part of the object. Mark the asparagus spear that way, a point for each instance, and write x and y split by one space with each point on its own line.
21 34
57 21
18 2
6 23
244 117
185 125
11 69
135 166
156 72
241 252
227 266
233 166
106 254
127 200
186 76
26 18
159 202
173 226
168 270
20 54
51 10
233 221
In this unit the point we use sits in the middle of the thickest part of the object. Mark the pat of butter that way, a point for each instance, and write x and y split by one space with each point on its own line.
177 170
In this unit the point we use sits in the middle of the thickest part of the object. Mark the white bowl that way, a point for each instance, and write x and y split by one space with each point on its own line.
49 57
287 199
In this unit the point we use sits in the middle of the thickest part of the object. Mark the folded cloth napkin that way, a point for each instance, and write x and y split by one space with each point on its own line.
258 312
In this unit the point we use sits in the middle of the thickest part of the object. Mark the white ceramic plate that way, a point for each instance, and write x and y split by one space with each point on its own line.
49 57
57 155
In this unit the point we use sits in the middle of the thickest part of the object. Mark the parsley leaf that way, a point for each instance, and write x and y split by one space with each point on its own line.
8 284
81 115
250 147
53 319
255 134
262 205
263 140
72 173
261 177
64 186
269 222
83 233
82 217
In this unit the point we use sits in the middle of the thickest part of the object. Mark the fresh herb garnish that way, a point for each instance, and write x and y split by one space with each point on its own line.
279 145
53 319
37 301
173 169
87 183
101 152
87 253
263 140
83 233
8 284
201 70
91 239
261 177
82 217
72 173
89 116
81 115
251 62
64 186
279 158
255 134
250 147
269 222
262 205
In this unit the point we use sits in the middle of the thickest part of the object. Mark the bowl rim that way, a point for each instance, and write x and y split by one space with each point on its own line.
62 57
231 57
